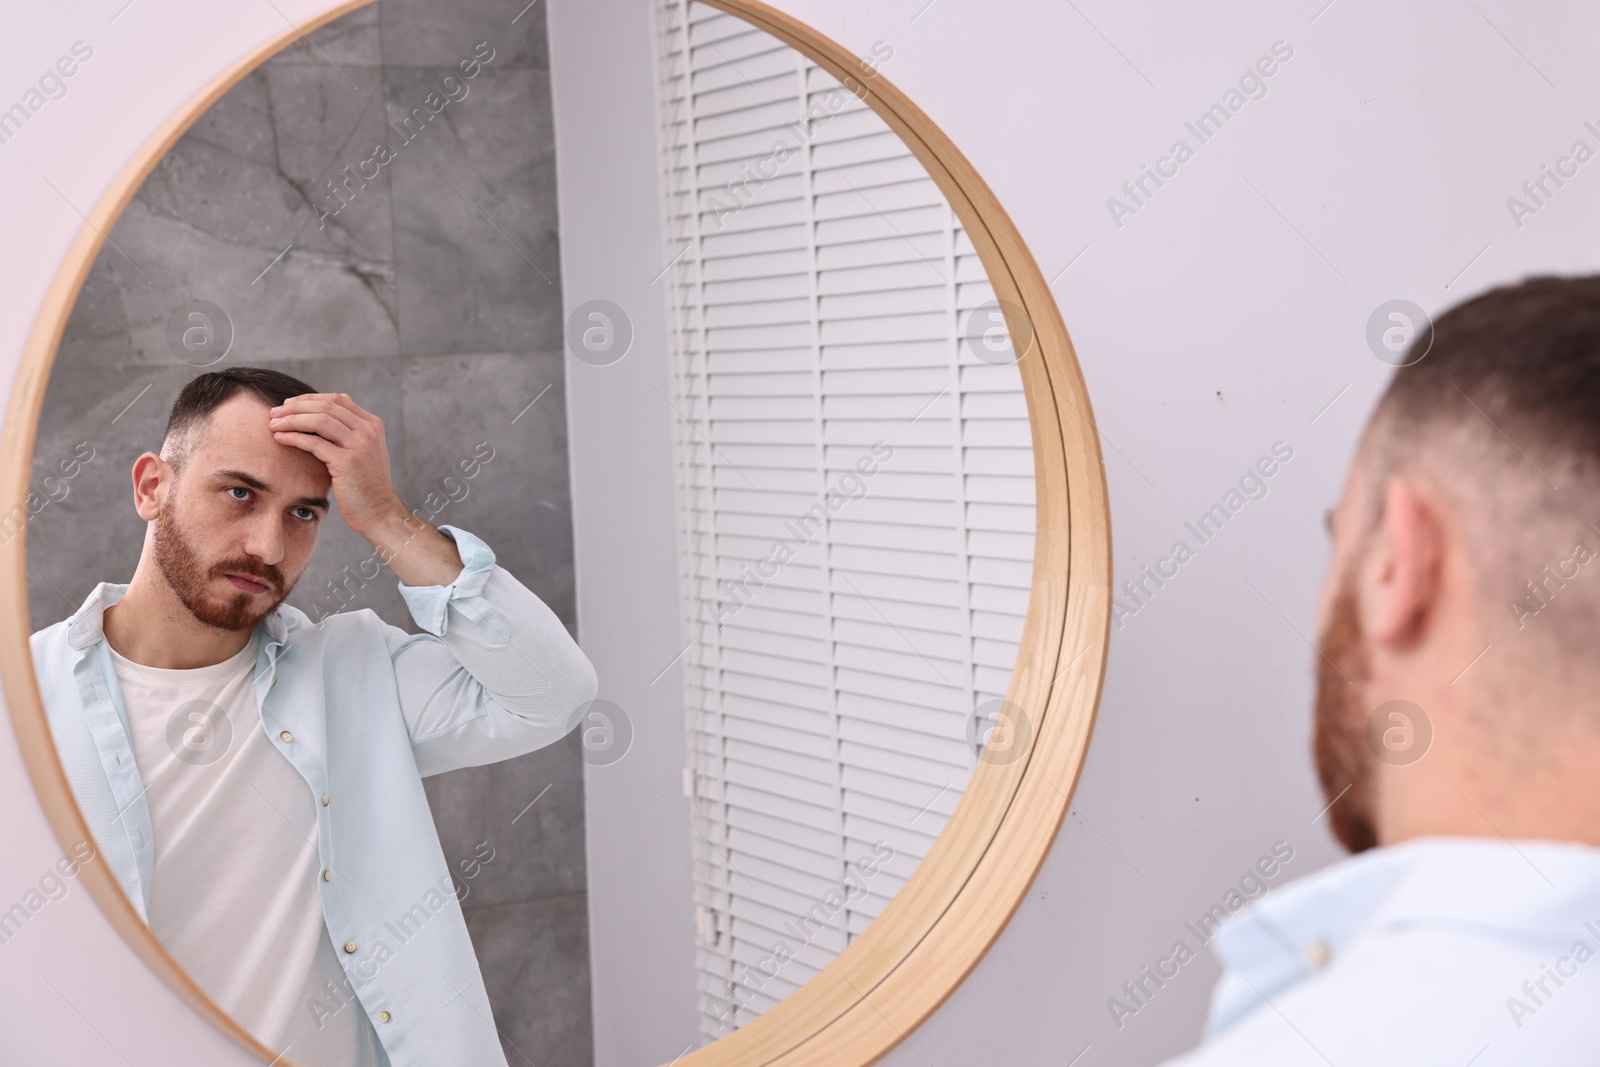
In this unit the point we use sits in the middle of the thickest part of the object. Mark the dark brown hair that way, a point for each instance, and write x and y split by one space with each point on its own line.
1502 414
1521 362
207 392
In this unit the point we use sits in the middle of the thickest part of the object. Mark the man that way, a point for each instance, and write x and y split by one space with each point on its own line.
255 780
1457 722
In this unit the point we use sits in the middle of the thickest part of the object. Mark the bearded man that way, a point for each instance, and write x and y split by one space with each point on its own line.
254 779
1457 733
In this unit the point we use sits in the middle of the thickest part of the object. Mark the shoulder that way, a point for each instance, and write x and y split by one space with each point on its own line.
55 630
50 641
341 629
1429 994
344 620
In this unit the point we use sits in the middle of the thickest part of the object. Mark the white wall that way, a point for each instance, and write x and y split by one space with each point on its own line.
641 913
1223 316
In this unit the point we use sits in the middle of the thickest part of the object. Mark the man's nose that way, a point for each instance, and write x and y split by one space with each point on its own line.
264 542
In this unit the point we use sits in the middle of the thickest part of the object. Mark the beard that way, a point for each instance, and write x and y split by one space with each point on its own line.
1342 756
188 578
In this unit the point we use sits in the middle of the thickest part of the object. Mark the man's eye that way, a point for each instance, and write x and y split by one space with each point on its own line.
309 514
239 489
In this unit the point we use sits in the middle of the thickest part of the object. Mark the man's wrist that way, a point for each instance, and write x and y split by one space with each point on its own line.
398 521
418 552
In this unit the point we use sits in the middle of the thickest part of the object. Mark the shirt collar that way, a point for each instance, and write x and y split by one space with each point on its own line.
86 627
1528 890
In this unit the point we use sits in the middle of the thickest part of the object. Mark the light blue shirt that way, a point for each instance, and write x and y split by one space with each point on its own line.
1440 950
369 711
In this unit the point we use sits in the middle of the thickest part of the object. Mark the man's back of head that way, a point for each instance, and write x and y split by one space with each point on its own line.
1456 666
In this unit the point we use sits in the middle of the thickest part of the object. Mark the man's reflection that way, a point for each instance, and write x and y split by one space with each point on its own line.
253 778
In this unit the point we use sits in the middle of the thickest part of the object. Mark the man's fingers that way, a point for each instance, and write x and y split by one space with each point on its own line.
338 405
323 424
317 446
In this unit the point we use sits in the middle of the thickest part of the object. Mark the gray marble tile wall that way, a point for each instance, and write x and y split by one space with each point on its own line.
429 291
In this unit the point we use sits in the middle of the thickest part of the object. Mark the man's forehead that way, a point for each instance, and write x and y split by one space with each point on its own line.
241 417
238 441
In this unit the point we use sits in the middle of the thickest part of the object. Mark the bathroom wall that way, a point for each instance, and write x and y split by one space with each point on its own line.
431 294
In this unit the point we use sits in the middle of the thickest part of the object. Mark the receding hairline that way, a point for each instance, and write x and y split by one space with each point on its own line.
200 398
178 443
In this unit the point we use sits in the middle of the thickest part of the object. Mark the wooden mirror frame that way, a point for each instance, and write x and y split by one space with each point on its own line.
926 940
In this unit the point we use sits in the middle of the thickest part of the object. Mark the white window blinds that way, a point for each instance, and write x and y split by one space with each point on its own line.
842 625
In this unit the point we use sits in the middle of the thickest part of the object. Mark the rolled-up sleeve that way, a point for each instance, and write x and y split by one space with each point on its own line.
495 675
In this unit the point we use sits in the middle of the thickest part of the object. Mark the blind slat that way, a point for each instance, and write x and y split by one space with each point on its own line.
842 626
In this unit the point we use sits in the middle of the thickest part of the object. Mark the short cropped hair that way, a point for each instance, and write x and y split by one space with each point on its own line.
1523 360
207 392
1501 412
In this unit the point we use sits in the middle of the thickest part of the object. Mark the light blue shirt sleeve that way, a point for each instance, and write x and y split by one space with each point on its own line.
495 675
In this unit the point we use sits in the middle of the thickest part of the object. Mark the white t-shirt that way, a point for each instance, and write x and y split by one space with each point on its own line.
234 894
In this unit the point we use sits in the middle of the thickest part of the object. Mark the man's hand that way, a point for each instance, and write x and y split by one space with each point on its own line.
349 440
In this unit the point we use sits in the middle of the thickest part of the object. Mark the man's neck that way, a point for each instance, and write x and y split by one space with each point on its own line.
1536 788
150 626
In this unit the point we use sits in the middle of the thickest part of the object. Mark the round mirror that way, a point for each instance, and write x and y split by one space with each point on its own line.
350 808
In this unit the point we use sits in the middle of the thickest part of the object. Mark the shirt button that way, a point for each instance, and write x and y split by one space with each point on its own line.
327 875
1317 954
286 736
349 946
384 1016
324 800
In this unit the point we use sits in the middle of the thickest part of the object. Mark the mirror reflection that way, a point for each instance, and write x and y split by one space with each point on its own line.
301 562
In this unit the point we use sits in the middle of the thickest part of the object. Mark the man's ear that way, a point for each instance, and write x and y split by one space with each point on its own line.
150 474
1403 572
